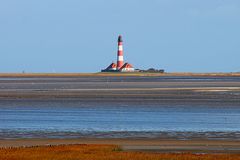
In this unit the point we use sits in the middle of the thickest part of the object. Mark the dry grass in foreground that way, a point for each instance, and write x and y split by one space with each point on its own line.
98 152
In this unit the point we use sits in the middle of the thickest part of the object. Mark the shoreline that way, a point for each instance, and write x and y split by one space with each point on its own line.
103 74
137 144
160 135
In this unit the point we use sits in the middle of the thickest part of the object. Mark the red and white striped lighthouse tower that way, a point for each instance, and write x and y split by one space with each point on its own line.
120 66
120 53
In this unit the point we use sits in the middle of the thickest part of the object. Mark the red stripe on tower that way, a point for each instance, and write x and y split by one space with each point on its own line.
120 53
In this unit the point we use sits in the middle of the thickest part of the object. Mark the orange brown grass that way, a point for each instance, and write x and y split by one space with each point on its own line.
99 152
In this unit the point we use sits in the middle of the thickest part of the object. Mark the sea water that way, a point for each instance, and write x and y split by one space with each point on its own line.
49 118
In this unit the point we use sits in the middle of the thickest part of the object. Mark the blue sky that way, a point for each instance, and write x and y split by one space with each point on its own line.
81 36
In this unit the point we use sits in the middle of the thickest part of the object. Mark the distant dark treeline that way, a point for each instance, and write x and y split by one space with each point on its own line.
152 70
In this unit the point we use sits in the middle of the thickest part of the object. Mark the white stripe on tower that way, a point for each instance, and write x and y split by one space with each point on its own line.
120 53
120 58
120 48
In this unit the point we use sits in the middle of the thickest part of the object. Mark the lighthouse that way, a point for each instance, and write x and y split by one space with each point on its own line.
120 66
120 60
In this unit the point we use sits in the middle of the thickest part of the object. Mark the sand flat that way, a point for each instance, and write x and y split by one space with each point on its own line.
223 90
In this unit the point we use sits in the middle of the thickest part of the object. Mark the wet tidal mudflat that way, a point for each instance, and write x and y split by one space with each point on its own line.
120 107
